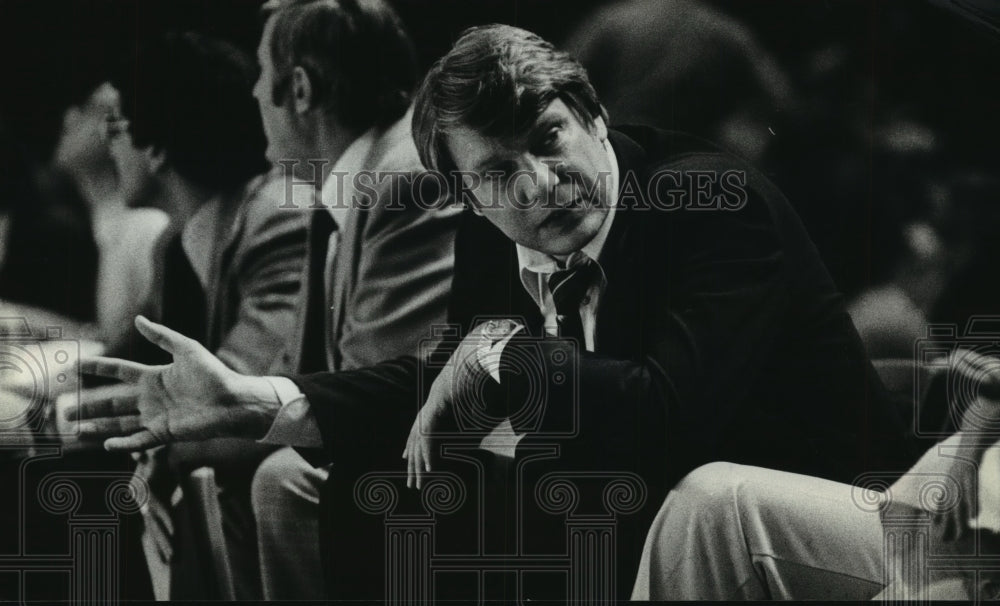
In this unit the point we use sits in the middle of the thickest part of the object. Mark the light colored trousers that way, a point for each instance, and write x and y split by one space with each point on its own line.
735 532
285 496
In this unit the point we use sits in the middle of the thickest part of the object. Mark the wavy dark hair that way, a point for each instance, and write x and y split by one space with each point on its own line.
191 96
496 80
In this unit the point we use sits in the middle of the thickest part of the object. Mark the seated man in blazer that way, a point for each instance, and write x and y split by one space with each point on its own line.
379 259
705 325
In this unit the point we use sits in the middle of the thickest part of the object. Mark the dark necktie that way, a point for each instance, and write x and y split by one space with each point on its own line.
317 307
569 288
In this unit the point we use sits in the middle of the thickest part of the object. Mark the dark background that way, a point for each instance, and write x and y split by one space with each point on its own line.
909 54
855 66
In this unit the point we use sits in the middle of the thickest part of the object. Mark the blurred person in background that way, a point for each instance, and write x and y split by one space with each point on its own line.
189 141
685 66
971 226
124 237
907 256
48 274
81 177
48 258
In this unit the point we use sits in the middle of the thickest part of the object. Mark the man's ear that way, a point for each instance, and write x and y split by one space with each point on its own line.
600 129
155 158
472 204
302 90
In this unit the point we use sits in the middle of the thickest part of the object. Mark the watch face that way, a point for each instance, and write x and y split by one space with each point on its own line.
498 329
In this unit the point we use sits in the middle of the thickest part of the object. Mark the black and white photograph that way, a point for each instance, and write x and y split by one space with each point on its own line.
499 301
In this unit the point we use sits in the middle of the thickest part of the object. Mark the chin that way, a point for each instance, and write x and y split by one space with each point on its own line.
563 245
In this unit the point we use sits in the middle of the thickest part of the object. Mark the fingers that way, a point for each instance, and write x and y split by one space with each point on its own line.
410 456
168 340
418 457
409 472
110 427
106 401
113 368
141 440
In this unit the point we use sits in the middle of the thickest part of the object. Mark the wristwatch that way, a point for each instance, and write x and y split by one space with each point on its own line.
493 336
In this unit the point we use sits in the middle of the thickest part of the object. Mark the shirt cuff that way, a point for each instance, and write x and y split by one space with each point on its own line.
294 424
496 335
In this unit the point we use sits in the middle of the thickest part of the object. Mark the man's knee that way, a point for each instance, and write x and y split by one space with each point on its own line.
709 487
717 494
706 498
285 480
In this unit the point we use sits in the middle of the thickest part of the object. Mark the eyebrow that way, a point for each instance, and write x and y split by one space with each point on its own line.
490 160
543 123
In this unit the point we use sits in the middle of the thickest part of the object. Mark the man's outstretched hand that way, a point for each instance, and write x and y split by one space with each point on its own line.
195 398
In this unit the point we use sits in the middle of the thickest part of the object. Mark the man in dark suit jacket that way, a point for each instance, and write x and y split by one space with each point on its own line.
697 322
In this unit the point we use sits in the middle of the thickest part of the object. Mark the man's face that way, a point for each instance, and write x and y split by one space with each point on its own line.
283 139
136 179
547 191
83 142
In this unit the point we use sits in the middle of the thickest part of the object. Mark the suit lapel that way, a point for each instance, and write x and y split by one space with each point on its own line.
344 263
208 241
492 258
230 230
622 261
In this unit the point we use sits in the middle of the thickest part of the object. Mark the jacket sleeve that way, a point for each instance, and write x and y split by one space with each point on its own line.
402 283
364 415
269 277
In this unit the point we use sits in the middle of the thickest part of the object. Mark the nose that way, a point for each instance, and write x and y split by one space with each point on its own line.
536 181
256 88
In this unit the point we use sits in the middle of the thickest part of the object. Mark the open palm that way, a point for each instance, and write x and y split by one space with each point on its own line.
187 400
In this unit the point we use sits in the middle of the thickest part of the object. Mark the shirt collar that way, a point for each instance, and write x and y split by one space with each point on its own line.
337 189
536 262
